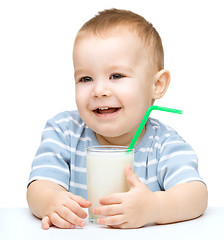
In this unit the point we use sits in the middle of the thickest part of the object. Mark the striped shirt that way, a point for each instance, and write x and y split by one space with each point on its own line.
162 158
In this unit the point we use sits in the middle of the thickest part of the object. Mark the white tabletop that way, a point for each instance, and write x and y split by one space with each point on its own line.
19 223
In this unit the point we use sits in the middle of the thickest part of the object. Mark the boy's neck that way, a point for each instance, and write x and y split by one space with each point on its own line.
123 140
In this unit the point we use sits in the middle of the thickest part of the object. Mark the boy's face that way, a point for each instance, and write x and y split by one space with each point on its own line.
114 85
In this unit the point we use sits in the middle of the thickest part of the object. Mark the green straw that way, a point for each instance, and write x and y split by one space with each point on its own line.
145 118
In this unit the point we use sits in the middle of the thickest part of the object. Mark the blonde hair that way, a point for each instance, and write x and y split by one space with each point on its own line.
109 19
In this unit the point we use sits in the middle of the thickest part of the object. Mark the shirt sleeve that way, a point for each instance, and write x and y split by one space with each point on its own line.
178 163
53 157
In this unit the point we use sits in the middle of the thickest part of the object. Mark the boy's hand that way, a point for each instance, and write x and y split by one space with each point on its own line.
132 209
64 210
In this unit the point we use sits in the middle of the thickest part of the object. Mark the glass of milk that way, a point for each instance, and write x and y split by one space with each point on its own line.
106 173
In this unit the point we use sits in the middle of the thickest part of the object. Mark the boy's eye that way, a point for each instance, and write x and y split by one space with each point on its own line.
116 76
86 79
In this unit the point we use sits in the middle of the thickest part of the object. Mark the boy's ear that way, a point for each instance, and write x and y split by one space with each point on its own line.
160 83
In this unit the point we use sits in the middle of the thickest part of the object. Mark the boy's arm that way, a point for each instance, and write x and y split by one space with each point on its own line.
37 193
55 206
182 202
140 206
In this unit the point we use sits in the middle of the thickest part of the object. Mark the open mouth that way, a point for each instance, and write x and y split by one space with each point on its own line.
106 110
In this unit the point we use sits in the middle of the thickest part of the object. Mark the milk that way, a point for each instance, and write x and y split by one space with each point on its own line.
106 173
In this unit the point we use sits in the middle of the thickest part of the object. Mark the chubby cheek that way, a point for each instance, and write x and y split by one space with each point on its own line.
80 102
137 101
139 104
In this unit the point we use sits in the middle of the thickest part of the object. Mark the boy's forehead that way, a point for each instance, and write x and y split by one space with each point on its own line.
117 41
125 35
124 49
125 32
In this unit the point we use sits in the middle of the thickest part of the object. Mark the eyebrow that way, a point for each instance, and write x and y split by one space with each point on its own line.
80 72
120 67
110 69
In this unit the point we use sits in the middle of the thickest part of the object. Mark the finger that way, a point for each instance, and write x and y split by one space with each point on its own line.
46 223
75 208
123 225
112 199
132 178
108 210
113 220
60 222
80 200
70 217
114 226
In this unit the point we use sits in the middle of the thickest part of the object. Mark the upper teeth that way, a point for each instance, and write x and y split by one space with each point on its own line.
103 108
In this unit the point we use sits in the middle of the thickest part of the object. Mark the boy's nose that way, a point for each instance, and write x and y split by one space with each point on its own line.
101 89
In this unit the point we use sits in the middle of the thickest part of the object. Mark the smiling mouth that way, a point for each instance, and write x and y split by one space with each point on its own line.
106 110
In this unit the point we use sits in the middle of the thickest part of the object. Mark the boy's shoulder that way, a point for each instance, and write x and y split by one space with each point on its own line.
162 132
160 126
74 114
67 119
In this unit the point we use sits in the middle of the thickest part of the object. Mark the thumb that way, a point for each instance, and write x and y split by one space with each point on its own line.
132 178
46 223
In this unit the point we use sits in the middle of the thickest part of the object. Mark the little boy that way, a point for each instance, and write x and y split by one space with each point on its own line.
119 73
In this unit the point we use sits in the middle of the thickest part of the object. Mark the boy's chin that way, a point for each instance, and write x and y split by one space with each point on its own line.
108 135
109 138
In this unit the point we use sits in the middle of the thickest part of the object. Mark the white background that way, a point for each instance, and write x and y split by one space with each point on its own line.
36 78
